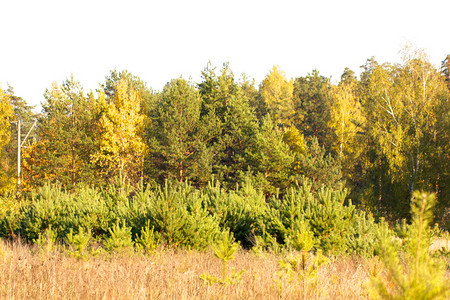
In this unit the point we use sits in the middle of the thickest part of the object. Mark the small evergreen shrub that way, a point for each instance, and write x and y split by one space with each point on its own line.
362 235
414 273
51 206
148 240
120 239
239 211
301 270
178 215
44 212
321 216
46 241
79 244
10 215
225 249
301 239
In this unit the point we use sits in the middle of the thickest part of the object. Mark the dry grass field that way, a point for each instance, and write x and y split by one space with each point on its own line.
171 274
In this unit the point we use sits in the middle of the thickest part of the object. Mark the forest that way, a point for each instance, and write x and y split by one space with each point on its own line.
381 136
301 163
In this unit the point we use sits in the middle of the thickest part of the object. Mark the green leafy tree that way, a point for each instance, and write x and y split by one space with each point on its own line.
250 91
445 70
346 123
440 156
216 91
405 103
348 76
371 185
114 78
319 168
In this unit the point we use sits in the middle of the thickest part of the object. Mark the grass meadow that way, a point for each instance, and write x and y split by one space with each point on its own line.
30 273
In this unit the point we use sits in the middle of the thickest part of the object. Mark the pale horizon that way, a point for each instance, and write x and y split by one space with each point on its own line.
48 41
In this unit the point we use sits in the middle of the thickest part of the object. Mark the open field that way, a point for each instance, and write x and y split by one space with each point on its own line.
169 274
105 261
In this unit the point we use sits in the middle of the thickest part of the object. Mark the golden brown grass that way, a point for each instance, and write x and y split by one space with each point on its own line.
168 274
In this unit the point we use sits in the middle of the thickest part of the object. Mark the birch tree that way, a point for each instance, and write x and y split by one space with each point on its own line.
121 146
404 106
345 118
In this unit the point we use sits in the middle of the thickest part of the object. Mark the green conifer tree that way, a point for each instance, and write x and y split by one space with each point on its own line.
416 274
179 136
311 102
65 138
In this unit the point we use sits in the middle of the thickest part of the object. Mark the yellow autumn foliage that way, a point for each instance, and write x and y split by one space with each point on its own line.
277 92
346 118
121 146
6 115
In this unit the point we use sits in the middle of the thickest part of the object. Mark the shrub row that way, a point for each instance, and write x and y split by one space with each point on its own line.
178 214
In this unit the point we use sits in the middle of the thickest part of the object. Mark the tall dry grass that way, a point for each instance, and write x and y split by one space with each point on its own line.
167 274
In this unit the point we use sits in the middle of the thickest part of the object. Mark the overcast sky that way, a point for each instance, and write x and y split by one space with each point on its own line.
45 41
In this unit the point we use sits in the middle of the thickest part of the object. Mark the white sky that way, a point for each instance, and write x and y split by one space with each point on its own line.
45 41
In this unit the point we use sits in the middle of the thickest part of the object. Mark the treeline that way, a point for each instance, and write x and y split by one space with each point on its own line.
382 136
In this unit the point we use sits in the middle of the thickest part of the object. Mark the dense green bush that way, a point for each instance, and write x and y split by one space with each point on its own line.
119 239
411 272
62 211
10 215
179 215
239 210
337 228
176 212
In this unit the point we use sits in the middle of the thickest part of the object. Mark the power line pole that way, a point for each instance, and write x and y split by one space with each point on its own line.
18 155
19 147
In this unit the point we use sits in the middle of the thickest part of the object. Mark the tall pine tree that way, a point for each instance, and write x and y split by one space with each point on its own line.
65 138
179 138
236 120
312 107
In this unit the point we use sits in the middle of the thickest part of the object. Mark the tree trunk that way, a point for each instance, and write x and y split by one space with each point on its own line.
181 171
